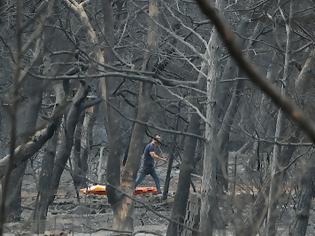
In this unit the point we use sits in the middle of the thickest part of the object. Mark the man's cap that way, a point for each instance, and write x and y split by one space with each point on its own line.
157 138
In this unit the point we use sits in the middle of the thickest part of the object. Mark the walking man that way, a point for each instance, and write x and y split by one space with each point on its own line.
149 156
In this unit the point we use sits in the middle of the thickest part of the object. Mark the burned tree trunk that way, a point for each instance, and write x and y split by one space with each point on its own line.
187 165
27 117
112 118
40 211
275 187
123 208
183 185
66 138
302 212
86 139
28 149
81 147
44 185
230 109
171 159
74 160
25 113
56 160
305 87
209 203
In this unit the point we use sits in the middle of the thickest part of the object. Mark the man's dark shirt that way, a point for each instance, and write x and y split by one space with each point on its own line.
148 161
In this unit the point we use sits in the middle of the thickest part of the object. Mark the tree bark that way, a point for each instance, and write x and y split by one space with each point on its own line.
28 149
27 112
305 87
275 187
183 185
86 139
101 165
113 120
44 187
187 165
123 209
171 159
75 154
66 139
45 184
209 207
27 117
223 135
306 194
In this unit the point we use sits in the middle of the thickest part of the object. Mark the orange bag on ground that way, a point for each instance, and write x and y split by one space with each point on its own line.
101 190
95 189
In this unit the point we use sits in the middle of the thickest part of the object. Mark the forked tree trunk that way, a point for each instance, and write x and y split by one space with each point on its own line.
49 184
123 208
275 187
111 118
66 139
44 185
187 165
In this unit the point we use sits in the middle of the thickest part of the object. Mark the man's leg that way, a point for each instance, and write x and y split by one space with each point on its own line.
156 180
140 178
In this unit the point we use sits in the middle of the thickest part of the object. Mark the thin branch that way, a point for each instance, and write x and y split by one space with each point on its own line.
174 35
283 169
192 31
156 127
104 75
189 104
281 143
190 63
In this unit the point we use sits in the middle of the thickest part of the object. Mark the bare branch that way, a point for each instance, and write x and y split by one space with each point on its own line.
156 127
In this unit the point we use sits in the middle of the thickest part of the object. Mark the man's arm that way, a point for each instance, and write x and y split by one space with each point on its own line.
156 156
